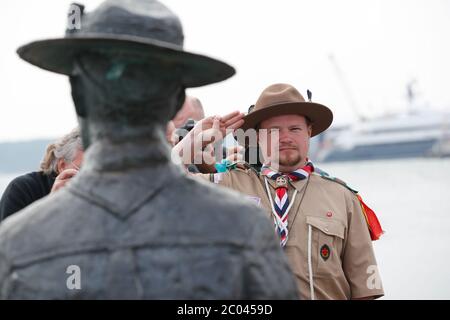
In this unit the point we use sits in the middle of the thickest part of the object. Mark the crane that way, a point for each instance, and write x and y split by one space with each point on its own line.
346 88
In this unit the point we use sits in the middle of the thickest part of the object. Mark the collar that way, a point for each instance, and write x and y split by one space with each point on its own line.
304 173
105 182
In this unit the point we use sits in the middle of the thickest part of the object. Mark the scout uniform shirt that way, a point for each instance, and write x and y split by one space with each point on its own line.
342 259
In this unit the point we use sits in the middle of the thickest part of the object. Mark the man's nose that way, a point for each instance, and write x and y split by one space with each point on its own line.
284 136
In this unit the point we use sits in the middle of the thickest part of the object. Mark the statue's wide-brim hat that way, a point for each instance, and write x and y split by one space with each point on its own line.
284 99
144 28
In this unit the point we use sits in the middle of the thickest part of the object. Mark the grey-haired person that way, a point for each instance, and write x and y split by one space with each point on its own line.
61 162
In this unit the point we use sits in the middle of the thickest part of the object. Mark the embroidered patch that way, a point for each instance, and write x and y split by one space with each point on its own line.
325 252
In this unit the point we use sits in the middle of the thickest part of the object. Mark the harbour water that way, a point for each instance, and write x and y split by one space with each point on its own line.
412 200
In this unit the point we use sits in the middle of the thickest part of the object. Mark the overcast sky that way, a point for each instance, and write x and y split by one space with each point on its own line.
379 46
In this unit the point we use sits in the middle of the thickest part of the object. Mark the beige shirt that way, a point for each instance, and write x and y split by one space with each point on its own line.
342 259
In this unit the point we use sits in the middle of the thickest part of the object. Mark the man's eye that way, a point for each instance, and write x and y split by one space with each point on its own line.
296 129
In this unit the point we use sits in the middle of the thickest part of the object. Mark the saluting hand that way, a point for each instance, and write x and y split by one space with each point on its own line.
206 131
214 128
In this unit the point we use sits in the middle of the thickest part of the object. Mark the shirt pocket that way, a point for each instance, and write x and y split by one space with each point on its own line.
327 237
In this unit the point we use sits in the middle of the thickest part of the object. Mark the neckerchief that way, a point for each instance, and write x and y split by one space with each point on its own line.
281 204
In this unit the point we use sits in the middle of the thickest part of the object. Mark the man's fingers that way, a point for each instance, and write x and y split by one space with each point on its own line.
62 178
232 120
231 115
66 174
236 125
204 124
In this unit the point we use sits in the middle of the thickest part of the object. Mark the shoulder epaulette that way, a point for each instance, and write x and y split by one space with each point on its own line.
246 166
327 176
241 165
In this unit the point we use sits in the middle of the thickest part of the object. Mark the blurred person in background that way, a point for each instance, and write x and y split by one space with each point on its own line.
62 161
192 109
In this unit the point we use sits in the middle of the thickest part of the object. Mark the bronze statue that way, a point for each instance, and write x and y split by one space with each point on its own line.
126 226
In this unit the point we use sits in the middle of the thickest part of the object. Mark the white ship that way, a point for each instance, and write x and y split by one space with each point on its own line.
419 133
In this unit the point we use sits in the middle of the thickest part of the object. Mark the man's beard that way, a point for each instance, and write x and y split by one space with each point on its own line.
280 160
290 160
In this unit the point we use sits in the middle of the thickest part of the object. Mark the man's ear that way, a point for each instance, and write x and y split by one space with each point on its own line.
310 130
60 166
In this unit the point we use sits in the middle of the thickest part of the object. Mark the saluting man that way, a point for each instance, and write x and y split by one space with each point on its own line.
325 228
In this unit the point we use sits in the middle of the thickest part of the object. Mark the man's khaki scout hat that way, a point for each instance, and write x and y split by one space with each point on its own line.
281 99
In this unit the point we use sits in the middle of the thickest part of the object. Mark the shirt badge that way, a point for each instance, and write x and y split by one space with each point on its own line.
325 252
